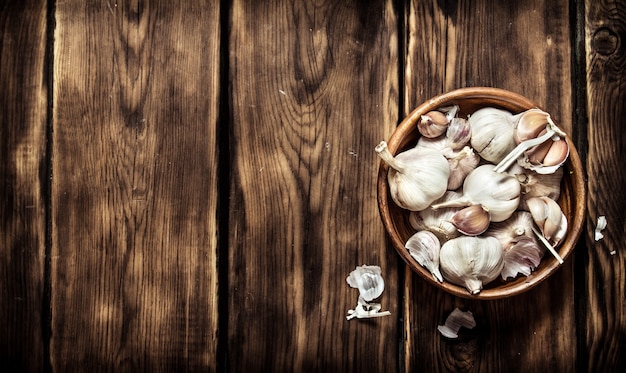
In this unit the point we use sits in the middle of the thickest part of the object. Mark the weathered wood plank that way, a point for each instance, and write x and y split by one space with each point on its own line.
134 273
23 121
605 271
314 90
523 47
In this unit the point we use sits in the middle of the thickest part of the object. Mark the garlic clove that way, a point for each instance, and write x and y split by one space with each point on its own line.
471 261
549 217
433 124
424 248
461 164
368 279
472 220
458 133
417 177
530 124
557 153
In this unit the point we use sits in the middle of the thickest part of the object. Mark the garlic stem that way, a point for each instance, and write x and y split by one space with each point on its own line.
547 244
463 201
383 152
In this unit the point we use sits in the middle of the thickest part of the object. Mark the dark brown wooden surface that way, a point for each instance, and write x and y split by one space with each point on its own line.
185 186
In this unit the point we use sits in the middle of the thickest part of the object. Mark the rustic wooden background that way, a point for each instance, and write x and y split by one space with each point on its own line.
185 185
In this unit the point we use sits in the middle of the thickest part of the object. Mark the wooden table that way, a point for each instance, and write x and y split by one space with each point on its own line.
186 185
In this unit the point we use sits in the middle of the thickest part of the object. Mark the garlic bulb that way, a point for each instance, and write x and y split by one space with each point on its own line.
472 220
522 252
424 248
369 280
416 177
497 192
437 221
549 217
492 133
471 261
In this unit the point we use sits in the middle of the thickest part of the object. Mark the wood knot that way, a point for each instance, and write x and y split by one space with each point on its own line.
604 41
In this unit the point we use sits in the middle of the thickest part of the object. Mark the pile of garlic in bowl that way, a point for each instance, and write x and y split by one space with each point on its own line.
478 189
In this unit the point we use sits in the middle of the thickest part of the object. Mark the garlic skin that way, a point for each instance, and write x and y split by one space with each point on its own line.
424 248
369 280
522 252
549 217
472 220
437 221
455 321
471 261
492 133
497 192
417 177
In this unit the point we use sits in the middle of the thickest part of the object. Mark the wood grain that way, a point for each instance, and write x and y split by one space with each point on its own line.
23 121
523 47
134 272
605 270
314 88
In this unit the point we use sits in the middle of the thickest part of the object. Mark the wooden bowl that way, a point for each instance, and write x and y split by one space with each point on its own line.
395 219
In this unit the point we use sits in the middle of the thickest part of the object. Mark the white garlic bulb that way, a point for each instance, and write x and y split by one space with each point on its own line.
471 261
437 221
424 248
492 133
497 192
369 280
417 177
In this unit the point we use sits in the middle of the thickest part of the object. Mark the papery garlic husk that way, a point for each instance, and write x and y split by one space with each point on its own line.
458 133
549 217
433 124
417 177
472 220
537 185
369 280
455 321
522 252
437 221
471 261
461 164
424 248
497 192
492 133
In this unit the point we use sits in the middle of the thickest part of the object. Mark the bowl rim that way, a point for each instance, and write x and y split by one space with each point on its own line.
573 164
